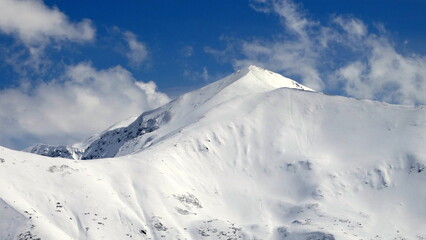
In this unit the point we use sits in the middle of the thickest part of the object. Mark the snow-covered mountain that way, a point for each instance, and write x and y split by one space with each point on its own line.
152 127
252 156
128 137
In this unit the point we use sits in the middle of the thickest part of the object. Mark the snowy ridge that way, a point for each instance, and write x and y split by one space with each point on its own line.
272 163
135 134
143 132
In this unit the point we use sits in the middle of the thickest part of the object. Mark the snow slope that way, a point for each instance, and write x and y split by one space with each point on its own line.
135 134
76 150
239 159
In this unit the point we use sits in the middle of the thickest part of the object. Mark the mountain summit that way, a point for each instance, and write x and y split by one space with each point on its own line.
252 156
252 79
184 110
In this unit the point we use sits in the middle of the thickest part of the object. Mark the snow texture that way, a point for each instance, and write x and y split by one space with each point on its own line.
252 156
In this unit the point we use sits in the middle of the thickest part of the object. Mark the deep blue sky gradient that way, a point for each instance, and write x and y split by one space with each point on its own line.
166 27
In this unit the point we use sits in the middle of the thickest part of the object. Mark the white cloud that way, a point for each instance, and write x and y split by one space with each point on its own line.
35 27
137 51
293 19
202 75
385 74
293 58
259 6
341 55
294 53
32 22
352 26
187 51
82 102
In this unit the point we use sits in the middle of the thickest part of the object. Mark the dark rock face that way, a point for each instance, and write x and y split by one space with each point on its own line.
55 151
110 142
319 236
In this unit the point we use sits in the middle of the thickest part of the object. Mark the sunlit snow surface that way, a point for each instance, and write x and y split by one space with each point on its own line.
243 158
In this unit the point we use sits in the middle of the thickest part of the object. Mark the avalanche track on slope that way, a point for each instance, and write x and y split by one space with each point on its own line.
264 162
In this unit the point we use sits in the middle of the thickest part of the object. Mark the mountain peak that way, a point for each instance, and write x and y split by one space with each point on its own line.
250 68
221 161
135 134
255 68
258 78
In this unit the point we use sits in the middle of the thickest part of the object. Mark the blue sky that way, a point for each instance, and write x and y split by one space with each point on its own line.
67 68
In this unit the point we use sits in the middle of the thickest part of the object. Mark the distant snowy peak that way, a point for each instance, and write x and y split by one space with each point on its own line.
55 151
76 150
